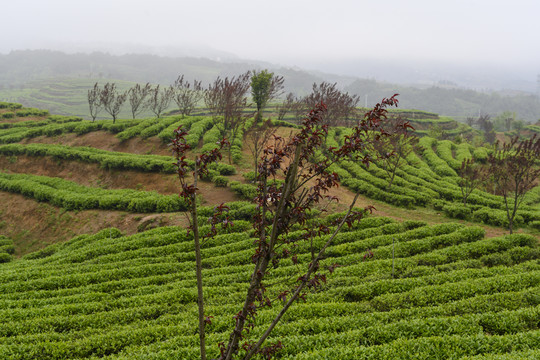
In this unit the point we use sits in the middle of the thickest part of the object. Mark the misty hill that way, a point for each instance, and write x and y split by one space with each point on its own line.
19 68
449 100
34 71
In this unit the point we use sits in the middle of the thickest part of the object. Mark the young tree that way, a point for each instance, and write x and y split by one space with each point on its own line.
160 100
226 101
518 125
341 106
279 207
286 106
265 86
299 110
112 100
186 95
392 150
258 136
94 101
513 171
484 123
137 95
189 193
471 176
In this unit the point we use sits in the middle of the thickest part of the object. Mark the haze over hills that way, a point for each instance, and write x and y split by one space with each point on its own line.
448 90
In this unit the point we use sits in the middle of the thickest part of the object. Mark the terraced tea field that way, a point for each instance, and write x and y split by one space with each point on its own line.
429 178
454 294
403 290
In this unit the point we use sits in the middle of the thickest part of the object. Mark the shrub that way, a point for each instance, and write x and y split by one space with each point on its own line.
439 205
249 176
480 154
222 168
495 217
245 191
8 105
4 257
457 211
220 181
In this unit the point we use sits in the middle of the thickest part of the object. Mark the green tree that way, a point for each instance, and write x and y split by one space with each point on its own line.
265 86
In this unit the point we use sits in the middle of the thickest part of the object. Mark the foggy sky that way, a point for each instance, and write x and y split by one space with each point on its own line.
292 32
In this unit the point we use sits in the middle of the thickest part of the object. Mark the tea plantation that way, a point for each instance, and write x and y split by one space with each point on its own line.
402 290
454 294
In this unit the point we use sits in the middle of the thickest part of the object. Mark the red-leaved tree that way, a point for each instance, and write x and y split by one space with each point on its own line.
392 150
189 193
513 171
471 176
280 205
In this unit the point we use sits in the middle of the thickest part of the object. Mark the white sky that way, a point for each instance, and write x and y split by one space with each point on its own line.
287 31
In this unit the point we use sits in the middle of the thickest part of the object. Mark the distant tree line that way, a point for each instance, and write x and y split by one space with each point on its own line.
225 99
342 106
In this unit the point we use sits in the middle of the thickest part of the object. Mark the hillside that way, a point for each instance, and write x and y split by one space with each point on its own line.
95 261
453 294
57 81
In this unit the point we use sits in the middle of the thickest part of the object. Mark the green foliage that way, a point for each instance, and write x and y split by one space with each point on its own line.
245 191
454 294
457 211
68 195
480 154
133 131
6 249
535 225
496 217
260 88
8 105
31 112
220 181
430 178
106 159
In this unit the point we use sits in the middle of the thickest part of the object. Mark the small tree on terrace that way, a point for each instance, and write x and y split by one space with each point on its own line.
392 150
279 207
258 136
187 95
137 95
471 176
265 86
286 106
341 106
513 171
159 100
189 193
112 100
226 101
94 101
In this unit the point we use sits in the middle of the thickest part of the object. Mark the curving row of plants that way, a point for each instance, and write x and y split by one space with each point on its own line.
106 159
6 249
441 291
71 196
429 177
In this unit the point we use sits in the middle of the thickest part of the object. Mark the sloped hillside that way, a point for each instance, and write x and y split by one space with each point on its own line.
448 293
78 176
411 285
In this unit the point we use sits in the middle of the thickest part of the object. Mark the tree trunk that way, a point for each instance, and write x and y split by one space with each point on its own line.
200 298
